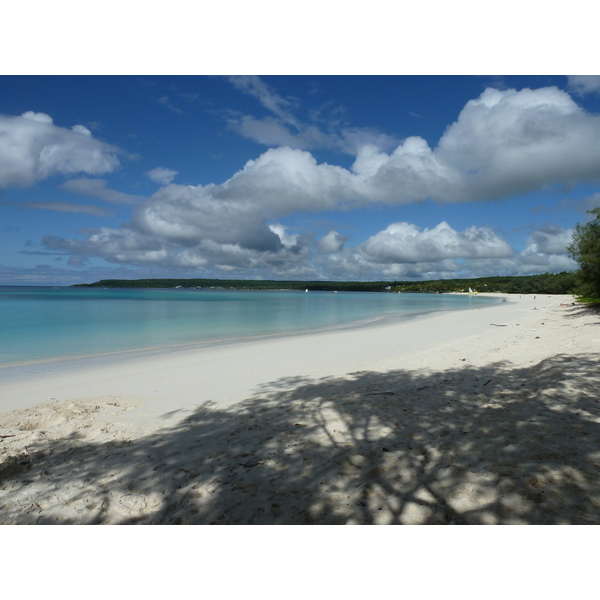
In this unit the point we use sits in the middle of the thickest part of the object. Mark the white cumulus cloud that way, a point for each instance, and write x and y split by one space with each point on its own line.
509 142
546 250
32 148
162 175
503 143
289 241
584 84
406 243
331 242
123 246
550 239
187 215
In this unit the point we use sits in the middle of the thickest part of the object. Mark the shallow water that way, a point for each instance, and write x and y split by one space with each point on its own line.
38 323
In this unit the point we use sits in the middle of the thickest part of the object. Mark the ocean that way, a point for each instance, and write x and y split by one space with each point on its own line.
45 323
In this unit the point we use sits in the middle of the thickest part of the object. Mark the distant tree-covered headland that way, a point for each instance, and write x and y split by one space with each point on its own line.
547 283
243 284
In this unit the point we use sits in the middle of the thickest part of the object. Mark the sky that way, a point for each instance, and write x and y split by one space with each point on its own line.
303 177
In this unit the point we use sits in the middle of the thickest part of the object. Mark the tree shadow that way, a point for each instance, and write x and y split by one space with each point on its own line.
497 444
581 310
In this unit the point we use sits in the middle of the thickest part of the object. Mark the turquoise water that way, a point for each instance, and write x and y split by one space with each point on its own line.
45 323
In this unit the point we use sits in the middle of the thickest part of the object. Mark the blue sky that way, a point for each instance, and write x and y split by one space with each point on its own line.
293 177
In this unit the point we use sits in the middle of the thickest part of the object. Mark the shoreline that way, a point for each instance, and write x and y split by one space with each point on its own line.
329 427
62 373
64 362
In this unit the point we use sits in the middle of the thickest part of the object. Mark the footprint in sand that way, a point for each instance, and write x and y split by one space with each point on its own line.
131 505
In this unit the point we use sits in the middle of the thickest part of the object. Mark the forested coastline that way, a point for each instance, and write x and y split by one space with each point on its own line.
547 283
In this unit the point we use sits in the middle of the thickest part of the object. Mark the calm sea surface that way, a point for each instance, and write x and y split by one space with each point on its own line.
40 322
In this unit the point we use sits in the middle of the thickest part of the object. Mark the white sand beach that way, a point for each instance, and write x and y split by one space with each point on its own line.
482 416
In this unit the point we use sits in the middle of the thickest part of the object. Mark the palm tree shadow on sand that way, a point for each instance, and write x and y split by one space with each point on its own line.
470 445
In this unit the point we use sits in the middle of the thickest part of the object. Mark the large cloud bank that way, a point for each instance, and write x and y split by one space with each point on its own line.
402 250
503 143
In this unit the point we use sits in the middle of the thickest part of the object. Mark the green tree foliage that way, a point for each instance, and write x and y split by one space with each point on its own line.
546 283
585 249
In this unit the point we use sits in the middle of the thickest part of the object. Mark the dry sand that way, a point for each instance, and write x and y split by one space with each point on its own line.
489 415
